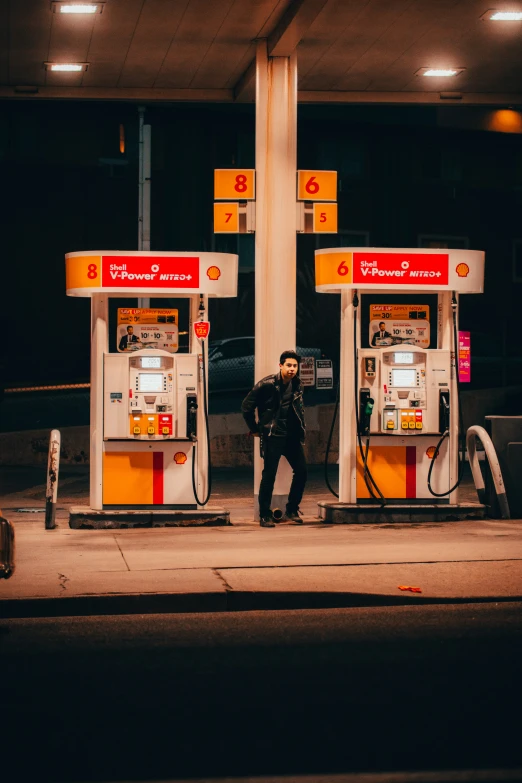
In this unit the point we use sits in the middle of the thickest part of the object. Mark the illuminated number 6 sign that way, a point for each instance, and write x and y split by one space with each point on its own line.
316 185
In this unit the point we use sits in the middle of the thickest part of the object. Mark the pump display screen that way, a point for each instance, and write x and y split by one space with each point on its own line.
150 362
150 382
403 357
402 378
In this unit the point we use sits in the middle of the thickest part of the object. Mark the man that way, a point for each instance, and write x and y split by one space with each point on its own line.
127 339
381 334
281 426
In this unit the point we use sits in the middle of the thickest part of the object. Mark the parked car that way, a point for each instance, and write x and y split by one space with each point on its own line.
231 363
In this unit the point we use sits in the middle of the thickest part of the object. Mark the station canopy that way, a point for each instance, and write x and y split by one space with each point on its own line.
356 51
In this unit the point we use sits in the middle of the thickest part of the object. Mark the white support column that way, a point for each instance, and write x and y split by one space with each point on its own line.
99 345
275 266
347 428
196 347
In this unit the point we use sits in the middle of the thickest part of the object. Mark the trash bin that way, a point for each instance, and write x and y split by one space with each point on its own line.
506 435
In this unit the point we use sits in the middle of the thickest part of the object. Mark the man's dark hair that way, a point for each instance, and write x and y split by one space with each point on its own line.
289 355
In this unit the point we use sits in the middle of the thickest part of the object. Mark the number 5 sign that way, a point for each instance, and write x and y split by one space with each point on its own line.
317 185
325 219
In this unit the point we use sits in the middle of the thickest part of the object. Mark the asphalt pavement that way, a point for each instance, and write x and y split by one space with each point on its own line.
243 566
309 692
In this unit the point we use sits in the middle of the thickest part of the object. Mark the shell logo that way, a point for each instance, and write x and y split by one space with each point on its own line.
431 452
180 458
214 272
462 270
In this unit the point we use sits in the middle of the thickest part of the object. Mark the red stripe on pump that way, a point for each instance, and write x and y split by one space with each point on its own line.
411 471
157 478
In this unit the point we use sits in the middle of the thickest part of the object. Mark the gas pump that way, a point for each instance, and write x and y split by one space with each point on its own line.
399 400
150 448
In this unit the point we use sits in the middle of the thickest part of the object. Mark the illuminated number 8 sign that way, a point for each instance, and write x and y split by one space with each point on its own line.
234 184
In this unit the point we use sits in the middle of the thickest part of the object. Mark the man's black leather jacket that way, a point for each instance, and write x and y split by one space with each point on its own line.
266 397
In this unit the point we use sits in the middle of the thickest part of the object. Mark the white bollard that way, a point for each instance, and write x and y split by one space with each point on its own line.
53 467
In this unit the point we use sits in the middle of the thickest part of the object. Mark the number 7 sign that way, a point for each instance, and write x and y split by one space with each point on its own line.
316 185
226 217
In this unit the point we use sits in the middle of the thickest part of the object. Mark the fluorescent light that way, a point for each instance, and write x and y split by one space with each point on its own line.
66 67
60 7
78 9
506 16
75 67
440 72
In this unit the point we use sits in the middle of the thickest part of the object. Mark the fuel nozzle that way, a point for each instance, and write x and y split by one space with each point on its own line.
366 404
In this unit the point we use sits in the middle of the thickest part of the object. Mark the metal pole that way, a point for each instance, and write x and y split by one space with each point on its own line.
144 184
53 468
198 348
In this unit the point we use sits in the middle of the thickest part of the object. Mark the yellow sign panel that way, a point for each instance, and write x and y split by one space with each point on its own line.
117 467
316 185
325 219
238 184
83 272
226 217
388 466
331 268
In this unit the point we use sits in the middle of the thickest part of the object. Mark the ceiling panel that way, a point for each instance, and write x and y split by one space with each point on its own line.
148 47
192 41
242 24
156 28
111 39
366 29
29 34
4 43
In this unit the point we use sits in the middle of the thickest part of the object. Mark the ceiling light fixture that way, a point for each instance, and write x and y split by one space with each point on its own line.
505 16
77 8
74 67
439 72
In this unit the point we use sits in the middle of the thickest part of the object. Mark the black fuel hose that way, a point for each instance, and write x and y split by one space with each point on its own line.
209 462
461 443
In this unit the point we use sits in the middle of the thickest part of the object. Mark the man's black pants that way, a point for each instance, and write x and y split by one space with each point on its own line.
274 449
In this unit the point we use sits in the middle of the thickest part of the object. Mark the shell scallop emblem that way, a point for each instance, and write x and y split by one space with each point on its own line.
462 270
180 458
430 452
214 272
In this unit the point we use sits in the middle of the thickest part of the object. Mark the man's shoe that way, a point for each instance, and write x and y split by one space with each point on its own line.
293 516
267 521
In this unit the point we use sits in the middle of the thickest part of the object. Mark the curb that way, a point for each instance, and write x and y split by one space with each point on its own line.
229 601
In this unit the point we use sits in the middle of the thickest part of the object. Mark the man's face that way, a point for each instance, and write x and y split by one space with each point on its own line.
381 326
129 330
288 369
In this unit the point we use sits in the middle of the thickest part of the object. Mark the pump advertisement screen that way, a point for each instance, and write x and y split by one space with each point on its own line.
153 328
399 324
